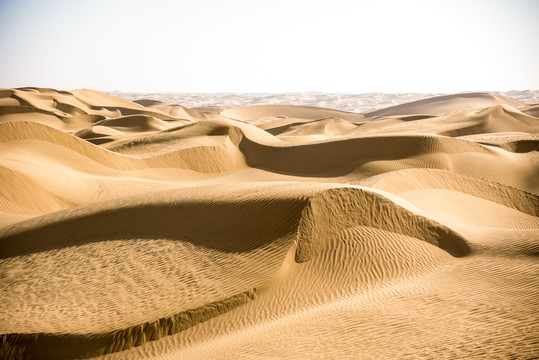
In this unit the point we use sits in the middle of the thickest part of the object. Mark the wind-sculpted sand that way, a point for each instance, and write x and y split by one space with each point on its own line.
133 230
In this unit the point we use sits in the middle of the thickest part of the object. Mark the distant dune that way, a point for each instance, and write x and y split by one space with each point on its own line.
339 101
261 226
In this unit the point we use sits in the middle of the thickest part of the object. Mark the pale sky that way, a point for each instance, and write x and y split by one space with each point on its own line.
270 45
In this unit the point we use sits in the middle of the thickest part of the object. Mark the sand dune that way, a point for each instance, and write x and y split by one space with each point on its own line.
358 103
445 104
144 229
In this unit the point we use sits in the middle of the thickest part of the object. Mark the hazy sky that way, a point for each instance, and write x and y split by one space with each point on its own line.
270 45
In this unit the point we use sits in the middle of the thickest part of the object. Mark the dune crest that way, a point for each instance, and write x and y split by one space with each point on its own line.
152 230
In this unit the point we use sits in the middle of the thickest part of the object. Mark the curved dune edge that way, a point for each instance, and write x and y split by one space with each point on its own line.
204 159
413 179
243 145
70 346
445 103
65 104
364 208
240 147
314 212
150 230
321 214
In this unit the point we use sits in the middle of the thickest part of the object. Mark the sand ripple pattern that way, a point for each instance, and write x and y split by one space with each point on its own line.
153 230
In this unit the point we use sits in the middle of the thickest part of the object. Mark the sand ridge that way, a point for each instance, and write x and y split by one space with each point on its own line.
143 229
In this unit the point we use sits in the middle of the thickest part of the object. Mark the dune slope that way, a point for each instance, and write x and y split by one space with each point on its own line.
134 230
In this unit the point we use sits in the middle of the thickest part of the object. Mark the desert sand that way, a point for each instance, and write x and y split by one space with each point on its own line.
150 230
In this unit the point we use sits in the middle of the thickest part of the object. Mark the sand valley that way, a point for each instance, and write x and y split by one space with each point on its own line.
146 229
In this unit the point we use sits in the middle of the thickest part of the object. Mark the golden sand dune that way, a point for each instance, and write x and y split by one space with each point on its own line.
444 104
143 229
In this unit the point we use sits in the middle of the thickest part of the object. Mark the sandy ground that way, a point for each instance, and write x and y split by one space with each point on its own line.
240 230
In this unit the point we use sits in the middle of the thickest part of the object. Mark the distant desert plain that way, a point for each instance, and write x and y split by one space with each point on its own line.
294 226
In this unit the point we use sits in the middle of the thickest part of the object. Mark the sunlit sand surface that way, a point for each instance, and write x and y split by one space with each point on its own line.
143 229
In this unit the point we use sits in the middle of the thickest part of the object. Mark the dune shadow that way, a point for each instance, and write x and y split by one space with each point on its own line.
228 227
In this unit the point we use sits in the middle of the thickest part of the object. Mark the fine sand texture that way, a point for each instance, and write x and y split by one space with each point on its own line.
149 230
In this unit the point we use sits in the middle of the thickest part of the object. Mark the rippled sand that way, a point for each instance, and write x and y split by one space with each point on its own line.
133 230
